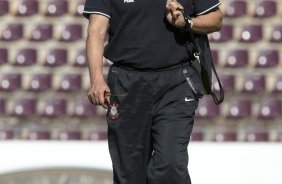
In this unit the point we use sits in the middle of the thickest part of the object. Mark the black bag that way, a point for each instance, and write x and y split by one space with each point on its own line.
203 63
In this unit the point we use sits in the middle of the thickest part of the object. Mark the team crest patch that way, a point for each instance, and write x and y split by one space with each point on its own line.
114 114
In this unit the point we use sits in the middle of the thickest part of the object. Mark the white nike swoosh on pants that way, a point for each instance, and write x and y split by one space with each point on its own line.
188 99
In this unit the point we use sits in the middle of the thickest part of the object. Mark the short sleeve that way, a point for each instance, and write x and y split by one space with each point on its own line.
203 6
102 7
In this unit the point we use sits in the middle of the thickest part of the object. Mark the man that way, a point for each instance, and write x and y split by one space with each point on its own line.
150 106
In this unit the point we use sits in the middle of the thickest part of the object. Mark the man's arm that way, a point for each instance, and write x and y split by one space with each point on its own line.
203 24
208 23
97 28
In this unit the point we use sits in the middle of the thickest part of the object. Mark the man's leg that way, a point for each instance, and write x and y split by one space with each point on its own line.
172 126
129 126
129 147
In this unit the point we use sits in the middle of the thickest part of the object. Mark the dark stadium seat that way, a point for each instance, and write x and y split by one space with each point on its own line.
239 108
2 106
71 32
10 81
54 107
207 109
198 133
227 81
70 82
83 108
24 107
3 55
27 8
251 33
225 34
56 57
255 135
56 8
278 84
276 35
79 8
235 8
237 59
254 83
6 134
267 58
4 7
40 82
215 57
270 108
12 32
224 136
26 57
39 135
42 32
197 136
98 135
265 9
70 135
80 58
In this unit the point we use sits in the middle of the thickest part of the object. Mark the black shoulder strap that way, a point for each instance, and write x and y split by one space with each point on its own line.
221 91
196 51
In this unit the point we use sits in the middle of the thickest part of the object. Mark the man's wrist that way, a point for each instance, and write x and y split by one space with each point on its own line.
188 20
188 24
96 78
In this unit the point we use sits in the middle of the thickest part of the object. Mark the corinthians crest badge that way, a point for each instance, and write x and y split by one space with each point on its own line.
113 109
114 114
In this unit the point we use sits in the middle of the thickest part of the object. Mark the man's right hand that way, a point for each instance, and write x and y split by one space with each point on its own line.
174 16
96 93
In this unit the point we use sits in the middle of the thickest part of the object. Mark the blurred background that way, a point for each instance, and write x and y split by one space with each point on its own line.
44 81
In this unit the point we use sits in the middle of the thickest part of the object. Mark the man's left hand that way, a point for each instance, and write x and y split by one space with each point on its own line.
174 16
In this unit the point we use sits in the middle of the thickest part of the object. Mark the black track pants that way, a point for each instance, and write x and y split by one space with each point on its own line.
148 138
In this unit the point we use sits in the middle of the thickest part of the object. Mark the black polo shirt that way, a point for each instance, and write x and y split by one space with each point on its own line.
139 34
